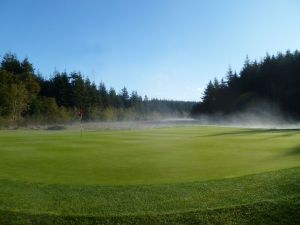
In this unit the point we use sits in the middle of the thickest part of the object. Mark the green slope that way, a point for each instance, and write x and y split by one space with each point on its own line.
152 156
182 175
266 196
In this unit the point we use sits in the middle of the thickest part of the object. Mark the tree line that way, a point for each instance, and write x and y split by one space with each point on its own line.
26 96
274 79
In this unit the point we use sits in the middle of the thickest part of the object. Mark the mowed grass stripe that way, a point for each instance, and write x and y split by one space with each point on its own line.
150 156
280 212
85 200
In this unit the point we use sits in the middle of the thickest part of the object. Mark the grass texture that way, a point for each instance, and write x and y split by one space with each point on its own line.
179 175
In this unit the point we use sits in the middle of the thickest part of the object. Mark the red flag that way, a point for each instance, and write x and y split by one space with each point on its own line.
80 113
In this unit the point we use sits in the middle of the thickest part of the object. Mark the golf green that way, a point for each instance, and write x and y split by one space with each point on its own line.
178 175
150 156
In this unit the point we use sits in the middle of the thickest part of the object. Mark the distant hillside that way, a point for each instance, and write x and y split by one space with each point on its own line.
275 79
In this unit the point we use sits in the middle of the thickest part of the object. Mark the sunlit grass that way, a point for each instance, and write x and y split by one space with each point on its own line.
167 155
180 175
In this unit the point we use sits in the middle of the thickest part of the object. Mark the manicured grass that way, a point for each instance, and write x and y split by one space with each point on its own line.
266 198
181 175
152 156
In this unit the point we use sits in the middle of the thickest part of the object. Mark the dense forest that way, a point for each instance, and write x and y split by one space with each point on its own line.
274 79
27 97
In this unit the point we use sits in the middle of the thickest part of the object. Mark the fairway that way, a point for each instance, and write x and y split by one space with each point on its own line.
149 176
149 156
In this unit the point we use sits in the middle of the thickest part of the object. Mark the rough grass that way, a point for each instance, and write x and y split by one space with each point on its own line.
184 175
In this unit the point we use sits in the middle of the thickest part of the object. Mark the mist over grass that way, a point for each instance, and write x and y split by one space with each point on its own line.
260 115
263 115
256 119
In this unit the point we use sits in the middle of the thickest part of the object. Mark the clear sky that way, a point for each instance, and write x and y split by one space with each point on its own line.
163 48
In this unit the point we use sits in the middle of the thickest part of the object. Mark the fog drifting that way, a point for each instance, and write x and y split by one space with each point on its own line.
262 116
242 120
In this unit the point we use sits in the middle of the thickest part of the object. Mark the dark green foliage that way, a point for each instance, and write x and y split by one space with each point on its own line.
25 94
124 96
103 95
170 107
18 87
275 79
113 99
11 64
45 110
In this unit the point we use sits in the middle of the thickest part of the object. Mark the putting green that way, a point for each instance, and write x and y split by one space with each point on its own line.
179 175
150 156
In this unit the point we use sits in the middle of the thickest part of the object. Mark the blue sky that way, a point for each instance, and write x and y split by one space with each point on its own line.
163 48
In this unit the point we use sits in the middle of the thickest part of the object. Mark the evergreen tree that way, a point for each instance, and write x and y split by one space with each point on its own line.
103 95
124 97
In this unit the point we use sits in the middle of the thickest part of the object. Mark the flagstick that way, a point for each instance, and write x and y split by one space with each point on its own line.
81 126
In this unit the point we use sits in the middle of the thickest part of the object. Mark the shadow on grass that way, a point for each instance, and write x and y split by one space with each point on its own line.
294 151
287 132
